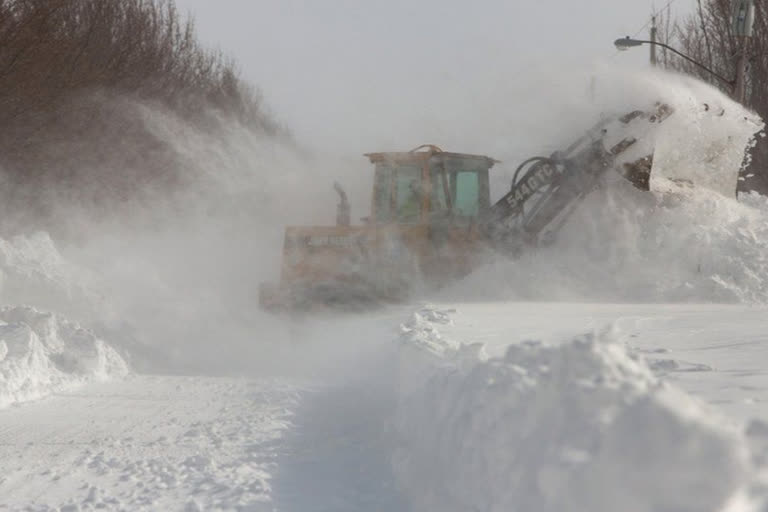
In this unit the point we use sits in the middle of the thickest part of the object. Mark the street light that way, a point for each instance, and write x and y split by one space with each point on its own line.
626 43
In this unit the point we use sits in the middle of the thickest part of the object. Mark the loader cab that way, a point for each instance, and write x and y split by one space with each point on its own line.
428 186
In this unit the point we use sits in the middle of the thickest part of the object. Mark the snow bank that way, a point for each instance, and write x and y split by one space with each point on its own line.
585 426
690 245
41 353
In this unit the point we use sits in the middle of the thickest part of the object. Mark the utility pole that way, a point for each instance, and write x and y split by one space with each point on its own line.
740 89
653 40
743 21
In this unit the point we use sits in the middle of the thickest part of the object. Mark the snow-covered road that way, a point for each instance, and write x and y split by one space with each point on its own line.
714 351
146 443
326 443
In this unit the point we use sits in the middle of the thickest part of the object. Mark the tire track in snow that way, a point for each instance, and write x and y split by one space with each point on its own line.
338 456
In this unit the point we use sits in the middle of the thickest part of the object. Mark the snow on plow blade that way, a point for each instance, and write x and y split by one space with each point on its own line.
704 148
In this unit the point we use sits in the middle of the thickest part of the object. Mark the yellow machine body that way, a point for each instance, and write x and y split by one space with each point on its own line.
422 231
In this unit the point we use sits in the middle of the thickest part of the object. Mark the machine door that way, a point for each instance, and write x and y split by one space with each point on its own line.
458 196
458 190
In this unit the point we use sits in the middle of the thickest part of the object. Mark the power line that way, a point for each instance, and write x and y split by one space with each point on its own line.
653 15
665 7
644 26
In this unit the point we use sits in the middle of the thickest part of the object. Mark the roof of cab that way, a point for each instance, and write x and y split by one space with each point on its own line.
416 155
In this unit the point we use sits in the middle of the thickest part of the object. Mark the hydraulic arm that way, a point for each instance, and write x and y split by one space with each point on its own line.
546 190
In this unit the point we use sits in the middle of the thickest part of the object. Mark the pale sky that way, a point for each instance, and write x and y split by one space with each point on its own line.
326 66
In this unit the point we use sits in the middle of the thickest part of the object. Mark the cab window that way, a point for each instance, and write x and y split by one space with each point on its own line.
459 187
467 199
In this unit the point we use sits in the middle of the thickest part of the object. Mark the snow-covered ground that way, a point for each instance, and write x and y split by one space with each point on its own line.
41 353
146 443
661 401
584 407
714 351
620 368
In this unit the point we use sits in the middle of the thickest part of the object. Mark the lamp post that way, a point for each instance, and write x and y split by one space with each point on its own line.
627 43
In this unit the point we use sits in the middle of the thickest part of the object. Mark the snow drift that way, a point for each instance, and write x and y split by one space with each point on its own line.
585 426
41 353
623 245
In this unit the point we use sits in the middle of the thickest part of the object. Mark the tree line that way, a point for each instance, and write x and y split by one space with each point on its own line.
67 68
50 49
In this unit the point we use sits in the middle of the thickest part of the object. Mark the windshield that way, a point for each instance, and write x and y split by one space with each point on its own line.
459 186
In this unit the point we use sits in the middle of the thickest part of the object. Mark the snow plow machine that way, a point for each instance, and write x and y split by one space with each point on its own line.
432 221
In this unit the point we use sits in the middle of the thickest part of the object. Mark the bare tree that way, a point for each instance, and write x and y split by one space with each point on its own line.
63 62
50 48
